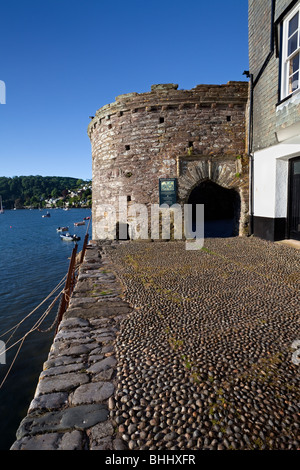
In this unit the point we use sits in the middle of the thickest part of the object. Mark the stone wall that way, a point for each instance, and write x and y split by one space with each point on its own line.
72 408
191 135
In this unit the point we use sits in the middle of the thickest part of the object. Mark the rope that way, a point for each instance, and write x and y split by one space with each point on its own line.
33 328
48 310
34 310
38 323
21 341
16 355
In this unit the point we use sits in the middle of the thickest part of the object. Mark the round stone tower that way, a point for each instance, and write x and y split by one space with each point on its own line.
192 136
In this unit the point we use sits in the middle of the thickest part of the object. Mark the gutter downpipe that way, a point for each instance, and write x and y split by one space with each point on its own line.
250 154
253 83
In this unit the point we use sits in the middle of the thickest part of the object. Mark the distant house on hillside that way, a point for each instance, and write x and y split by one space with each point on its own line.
274 118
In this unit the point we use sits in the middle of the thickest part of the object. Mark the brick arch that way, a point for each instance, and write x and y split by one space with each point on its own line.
222 173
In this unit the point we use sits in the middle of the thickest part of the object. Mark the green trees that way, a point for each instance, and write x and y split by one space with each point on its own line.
32 191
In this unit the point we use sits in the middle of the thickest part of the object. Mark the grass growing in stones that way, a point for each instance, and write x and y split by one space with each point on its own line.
207 348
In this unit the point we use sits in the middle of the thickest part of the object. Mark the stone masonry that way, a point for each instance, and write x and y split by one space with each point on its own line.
192 135
72 406
269 114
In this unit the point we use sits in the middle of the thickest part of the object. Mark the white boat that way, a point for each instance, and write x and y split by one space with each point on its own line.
62 229
46 215
69 238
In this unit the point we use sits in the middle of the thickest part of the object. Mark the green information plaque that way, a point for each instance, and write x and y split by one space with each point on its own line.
167 191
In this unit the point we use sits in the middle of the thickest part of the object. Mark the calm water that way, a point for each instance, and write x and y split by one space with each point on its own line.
33 259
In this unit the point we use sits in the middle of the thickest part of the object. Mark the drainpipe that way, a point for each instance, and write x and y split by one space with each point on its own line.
253 83
250 154
249 150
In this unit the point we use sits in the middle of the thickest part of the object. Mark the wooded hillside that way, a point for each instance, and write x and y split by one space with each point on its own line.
33 191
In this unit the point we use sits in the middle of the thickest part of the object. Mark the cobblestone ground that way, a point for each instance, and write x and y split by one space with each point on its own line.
204 360
163 348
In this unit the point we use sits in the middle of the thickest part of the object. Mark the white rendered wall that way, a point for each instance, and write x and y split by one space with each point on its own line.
271 178
264 183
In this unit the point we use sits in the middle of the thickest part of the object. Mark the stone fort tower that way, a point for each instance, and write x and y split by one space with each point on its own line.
196 137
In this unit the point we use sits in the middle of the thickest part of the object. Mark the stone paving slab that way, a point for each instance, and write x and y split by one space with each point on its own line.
73 402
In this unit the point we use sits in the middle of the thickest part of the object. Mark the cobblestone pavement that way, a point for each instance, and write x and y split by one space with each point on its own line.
205 358
181 350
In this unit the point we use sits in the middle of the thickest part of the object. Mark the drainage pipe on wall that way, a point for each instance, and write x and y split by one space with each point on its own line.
253 83
250 154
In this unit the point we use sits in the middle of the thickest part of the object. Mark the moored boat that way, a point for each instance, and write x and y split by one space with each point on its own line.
46 215
69 238
79 223
62 229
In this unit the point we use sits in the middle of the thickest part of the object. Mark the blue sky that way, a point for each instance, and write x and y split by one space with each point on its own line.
61 60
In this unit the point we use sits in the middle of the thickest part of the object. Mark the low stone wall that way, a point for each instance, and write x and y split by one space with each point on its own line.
73 405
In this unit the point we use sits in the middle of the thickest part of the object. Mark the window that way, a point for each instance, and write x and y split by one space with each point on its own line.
291 53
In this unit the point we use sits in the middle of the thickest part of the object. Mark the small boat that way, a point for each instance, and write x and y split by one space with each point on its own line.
79 223
86 218
46 215
1 206
62 229
69 238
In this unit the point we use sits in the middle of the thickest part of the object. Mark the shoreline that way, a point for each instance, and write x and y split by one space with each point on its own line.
73 400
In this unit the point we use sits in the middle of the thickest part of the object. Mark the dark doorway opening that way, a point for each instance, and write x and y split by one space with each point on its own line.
221 209
294 199
122 231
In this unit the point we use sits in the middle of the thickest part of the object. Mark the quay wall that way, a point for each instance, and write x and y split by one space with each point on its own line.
73 404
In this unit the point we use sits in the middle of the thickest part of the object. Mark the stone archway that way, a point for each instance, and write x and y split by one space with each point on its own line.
221 209
227 172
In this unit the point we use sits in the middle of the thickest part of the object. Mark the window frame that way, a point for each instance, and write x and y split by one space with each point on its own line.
286 59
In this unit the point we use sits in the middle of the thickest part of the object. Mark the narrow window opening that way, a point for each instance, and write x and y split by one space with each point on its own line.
161 120
128 198
228 118
191 144
127 147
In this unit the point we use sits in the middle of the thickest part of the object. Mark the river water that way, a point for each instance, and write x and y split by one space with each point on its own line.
33 260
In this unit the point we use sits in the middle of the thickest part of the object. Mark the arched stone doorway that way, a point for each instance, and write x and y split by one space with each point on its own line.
229 173
221 209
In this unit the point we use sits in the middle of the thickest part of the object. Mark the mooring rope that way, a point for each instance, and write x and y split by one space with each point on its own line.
21 341
10 367
48 311
34 310
36 327
33 328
